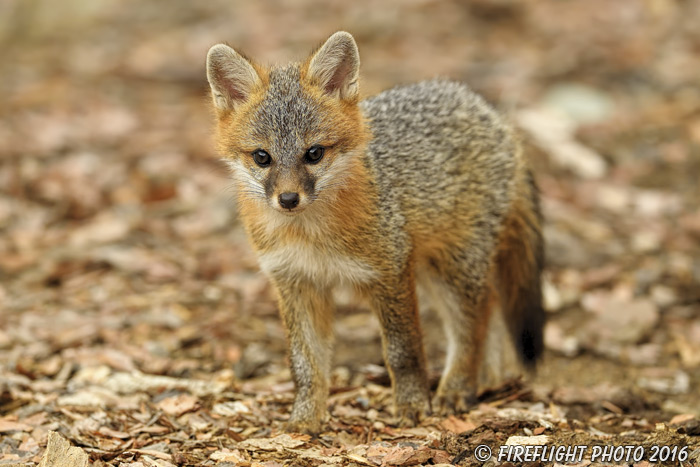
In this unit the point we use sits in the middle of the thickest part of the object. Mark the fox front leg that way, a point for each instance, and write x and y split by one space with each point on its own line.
307 313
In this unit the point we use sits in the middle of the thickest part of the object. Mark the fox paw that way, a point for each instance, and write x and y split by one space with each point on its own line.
448 402
412 412
303 426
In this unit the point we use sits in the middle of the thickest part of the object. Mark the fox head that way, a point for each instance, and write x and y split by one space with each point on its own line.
289 133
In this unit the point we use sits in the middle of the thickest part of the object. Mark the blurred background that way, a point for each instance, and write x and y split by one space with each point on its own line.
119 242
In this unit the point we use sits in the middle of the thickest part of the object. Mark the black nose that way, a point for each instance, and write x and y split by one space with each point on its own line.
289 200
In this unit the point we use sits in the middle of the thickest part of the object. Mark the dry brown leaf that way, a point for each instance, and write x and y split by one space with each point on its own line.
178 404
359 459
152 429
278 443
154 453
226 455
680 419
538 440
113 433
137 382
7 426
457 425
60 453
150 462
399 455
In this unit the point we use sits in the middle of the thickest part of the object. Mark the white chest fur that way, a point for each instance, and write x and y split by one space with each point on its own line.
320 266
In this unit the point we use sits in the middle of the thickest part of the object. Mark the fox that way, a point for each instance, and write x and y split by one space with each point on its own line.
423 186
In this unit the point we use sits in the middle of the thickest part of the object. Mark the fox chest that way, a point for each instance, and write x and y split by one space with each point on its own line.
320 266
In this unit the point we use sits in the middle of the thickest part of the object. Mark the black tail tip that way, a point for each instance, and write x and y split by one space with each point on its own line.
532 343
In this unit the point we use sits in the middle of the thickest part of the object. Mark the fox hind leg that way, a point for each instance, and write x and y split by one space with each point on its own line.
394 301
464 304
500 361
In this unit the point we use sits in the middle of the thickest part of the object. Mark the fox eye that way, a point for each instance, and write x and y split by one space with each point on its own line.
314 154
261 157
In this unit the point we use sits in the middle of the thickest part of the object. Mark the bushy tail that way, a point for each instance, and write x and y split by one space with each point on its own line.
520 261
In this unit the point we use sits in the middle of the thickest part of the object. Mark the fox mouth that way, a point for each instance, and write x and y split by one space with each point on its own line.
291 212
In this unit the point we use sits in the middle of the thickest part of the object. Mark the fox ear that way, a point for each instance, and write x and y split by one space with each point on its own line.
231 77
336 66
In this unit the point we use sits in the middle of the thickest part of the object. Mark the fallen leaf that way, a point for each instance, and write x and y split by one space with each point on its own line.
7 426
538 440
457 425
278 443
178 404
60 453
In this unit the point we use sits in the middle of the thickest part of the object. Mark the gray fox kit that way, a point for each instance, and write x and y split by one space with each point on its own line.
420 185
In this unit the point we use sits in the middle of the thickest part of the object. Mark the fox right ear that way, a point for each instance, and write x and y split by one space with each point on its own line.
336 66
231 77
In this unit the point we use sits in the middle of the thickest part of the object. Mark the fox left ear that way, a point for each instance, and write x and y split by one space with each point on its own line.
232 78
336 66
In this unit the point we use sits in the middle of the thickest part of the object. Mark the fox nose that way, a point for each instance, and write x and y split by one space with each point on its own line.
289 200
